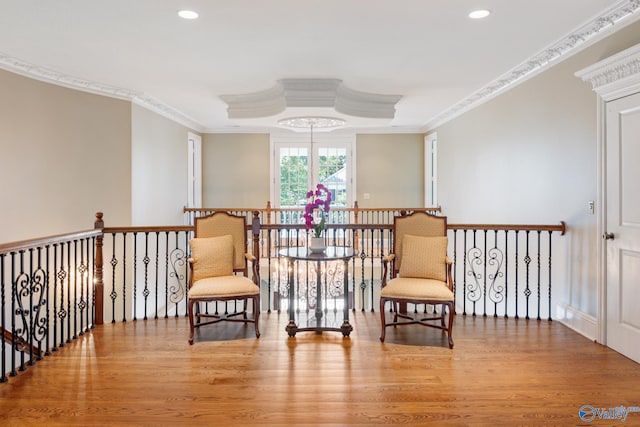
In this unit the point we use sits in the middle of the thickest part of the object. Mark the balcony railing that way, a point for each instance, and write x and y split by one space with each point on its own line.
47 295
57 288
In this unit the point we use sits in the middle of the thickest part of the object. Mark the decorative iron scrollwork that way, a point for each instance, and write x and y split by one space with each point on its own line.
177 290
30 298
492 265
496 290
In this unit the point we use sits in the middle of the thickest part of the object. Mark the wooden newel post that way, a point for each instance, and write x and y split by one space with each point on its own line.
255 231
98 285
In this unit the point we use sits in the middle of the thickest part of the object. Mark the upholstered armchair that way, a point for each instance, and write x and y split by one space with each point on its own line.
421 274
219 270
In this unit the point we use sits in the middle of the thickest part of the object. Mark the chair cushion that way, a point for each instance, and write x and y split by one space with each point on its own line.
223 286
424 257
212 256
417 289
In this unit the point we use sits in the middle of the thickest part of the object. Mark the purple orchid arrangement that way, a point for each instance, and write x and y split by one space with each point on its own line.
320 201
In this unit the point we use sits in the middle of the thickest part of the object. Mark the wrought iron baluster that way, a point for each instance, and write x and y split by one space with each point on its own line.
73 271
91 286
157 257
506 273
23 333
455 266
29 336
114 262
47 295
363 256
484 276
166 274
538 278
495 261
14 296
549 313
517 246
54 295
464 276
82 269
145 261
135 276
178 259
527 261
70 274
124 277
3 374
268 252
39 286
476 258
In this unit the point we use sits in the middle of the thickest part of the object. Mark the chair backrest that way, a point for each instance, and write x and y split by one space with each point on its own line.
221 224
418 224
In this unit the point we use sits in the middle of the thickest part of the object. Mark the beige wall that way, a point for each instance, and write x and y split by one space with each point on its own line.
529 156
65 156
235 170
390 169
159 168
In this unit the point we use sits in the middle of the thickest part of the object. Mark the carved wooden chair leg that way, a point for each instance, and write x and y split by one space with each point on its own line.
191 324
256 314
382 320
451 314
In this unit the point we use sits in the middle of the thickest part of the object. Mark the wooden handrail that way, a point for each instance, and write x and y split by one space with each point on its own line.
270 209
148 229
47 241
562 227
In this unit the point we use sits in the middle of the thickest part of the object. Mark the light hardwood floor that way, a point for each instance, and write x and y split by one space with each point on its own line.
501 372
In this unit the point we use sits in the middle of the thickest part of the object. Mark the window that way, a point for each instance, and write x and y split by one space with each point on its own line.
294 171
294 176
194 173
431 170
332 172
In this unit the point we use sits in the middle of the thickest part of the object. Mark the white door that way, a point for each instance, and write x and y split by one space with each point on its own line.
623 225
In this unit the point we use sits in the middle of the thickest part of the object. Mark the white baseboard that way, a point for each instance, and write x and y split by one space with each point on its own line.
581 322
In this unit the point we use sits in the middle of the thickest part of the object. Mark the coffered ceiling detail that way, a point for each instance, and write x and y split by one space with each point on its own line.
311 93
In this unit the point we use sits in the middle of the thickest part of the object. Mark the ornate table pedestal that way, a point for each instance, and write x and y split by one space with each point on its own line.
331 254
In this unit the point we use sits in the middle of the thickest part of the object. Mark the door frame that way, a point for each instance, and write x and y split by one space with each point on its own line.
612 78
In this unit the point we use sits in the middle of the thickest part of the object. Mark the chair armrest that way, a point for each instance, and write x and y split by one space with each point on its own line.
449 266
254 268
190 261
385 268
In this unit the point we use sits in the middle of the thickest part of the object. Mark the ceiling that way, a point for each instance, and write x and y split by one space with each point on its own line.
429 52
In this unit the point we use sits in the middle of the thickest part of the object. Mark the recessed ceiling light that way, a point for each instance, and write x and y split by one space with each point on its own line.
188 14
479 14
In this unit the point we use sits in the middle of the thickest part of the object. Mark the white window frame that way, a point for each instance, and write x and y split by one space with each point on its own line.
194 170
431 170
320 140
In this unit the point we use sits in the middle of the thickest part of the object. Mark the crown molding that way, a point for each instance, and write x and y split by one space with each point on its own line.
613 19
345 100
619 72
46 75
310 93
